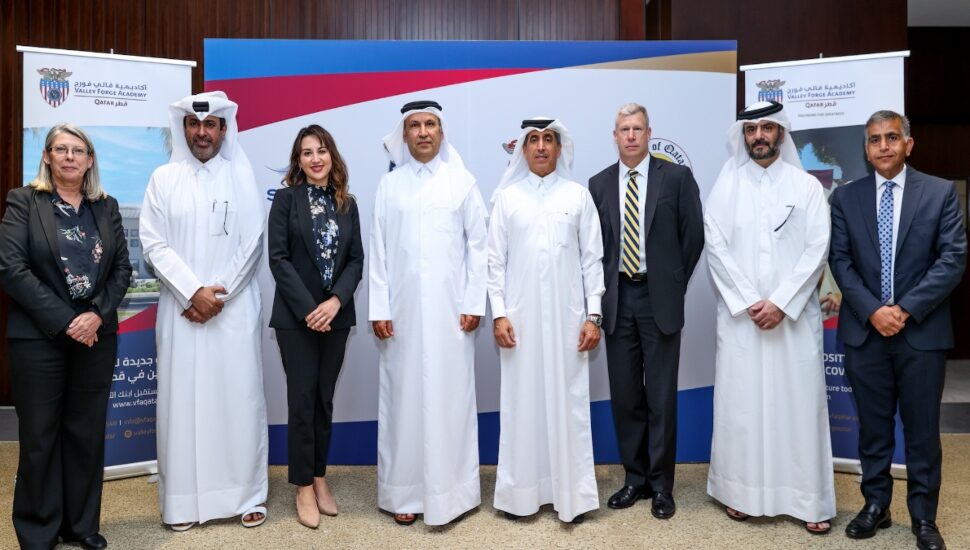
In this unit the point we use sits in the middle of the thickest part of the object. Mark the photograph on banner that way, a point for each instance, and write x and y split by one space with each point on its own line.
828 102
486 89
121 103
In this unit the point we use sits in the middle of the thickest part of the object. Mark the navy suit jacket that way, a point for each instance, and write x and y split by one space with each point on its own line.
931 254
674 238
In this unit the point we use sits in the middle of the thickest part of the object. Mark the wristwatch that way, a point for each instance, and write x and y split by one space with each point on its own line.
595 319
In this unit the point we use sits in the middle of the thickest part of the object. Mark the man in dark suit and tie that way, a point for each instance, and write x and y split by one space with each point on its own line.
898 250
653 235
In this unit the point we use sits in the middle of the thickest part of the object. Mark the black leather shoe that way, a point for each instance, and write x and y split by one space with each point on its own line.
625 497
97 542
869 520
928 537
512 517
663 506
578 519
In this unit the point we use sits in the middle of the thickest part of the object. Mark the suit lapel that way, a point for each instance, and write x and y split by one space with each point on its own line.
912 193
867 206
302 204
106 234
46 211
654 182
613 201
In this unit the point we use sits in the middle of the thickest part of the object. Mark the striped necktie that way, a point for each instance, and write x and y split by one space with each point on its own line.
631 226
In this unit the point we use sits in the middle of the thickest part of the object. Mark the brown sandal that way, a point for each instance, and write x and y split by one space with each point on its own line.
405 519
735 515
818 530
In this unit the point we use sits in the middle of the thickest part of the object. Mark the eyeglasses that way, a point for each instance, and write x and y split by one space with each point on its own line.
62 150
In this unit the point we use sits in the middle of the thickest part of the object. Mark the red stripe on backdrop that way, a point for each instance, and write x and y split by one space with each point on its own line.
264 101
143 320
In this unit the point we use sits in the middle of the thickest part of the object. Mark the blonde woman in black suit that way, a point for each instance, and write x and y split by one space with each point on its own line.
64 264
316 256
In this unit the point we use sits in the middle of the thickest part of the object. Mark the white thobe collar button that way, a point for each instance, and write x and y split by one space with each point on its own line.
542 183
423 170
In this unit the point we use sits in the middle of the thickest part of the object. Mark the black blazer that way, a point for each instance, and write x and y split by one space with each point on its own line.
291 251
931 254
674 227
32 274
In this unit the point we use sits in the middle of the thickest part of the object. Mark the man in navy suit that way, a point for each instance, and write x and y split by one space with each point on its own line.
898 250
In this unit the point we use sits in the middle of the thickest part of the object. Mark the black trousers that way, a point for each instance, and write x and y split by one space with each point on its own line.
885 373
60 390
312 362
643 364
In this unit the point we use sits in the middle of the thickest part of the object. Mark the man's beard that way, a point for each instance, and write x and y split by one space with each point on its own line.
203 154
771 152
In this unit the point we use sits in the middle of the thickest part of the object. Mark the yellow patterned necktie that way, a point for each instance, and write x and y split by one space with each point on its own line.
631 227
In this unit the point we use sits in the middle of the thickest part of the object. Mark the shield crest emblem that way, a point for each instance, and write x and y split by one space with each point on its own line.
54 86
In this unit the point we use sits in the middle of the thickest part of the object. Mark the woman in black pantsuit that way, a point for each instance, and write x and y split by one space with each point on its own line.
316 256
64 264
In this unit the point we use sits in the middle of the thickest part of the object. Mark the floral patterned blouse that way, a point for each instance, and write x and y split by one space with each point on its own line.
323 211
80 246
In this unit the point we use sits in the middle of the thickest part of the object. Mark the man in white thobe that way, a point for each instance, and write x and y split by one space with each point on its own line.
201 228
767 234
427 293
545 273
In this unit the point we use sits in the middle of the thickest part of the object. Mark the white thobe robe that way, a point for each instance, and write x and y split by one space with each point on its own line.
427 267
212 428
545 258
771 452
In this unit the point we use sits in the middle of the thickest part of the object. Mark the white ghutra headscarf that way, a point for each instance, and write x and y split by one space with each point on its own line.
518 167
720 204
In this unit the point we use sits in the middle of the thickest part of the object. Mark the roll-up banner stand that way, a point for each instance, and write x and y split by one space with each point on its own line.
121 102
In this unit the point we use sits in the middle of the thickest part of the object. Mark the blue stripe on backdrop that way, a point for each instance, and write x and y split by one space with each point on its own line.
356 442
235 59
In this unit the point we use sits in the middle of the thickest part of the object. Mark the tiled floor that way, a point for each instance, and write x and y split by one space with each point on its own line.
955 411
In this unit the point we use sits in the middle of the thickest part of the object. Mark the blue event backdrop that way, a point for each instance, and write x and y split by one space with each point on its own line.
355 90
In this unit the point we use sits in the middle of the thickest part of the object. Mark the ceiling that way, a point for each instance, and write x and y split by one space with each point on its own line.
939 13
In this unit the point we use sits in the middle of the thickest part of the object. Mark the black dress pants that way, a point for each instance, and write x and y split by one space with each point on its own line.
312 362
643 363
60 389
886 373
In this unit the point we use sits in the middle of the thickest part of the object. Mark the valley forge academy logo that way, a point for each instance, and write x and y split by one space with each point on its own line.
54 86
770 90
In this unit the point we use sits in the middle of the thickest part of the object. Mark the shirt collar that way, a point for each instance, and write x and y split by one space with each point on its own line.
641 168
547 181
56 198
899 179
774 169
317 191
212 165
431 166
